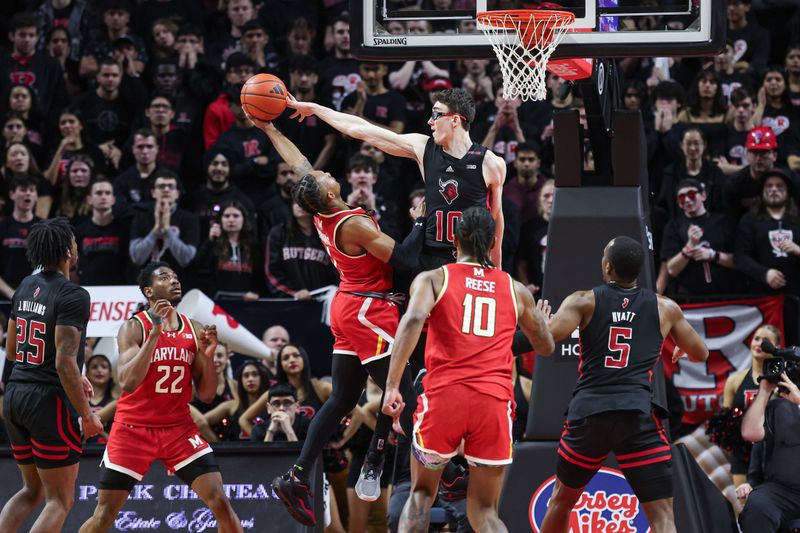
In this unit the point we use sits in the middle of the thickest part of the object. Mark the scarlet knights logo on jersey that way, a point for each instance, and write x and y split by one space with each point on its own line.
625 303
448 190
36 292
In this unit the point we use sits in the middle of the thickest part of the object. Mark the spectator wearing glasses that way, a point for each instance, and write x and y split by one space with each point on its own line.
767 248
284 423
698 244
743 189
694 164
165 232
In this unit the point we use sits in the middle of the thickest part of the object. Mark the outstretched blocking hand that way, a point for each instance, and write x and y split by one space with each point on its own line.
301 109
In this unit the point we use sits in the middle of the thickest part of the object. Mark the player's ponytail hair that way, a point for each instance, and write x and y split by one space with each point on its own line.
308 196
475 232
49 242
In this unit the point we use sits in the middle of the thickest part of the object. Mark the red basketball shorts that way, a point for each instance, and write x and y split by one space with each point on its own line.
131 449
448 416
362 326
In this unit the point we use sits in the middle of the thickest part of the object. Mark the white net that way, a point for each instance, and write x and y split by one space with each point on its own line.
523 45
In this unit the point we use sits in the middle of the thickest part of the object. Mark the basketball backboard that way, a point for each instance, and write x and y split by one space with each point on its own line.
446 29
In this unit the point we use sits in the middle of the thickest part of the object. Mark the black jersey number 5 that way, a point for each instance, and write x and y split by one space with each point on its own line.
33 333
616 336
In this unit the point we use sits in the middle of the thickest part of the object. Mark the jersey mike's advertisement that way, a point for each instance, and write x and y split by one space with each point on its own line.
608 504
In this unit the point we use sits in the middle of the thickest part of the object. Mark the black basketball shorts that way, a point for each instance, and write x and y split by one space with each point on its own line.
42 425
638 441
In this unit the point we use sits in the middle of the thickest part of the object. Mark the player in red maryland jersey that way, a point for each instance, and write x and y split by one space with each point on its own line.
474 310
364 317
162 352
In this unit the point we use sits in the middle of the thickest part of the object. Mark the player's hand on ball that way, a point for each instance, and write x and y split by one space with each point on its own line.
301 109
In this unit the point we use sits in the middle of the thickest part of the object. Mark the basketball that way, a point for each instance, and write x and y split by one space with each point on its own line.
264 97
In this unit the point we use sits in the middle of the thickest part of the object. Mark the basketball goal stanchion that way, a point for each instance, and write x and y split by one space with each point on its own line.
524 40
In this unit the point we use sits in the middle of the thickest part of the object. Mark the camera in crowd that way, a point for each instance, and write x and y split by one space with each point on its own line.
784 360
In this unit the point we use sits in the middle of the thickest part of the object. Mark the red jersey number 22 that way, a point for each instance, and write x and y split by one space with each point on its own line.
616 338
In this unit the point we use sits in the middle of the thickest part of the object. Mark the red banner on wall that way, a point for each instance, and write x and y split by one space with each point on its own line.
726 328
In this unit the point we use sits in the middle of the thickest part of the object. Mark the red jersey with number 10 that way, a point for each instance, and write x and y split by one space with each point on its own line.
162 399
470 331
363 272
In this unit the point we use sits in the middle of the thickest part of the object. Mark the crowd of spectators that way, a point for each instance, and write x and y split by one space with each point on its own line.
124 116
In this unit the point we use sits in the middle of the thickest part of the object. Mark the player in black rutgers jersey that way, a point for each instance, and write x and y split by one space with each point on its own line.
45 393
458 173
452 185
622 327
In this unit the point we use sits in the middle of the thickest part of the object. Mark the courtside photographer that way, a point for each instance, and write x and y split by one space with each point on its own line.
773 420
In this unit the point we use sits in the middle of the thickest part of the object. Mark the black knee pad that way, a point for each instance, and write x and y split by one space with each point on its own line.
202 465
651 482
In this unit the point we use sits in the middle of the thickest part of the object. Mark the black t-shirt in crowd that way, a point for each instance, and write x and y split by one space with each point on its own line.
41 302
756 250
103 252
702 277
14 264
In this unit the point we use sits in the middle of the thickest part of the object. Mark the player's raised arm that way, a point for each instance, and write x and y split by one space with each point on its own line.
205 379
571 314
533 322
494 173
411 145
422 300
363 232
134 352
685 336
285 148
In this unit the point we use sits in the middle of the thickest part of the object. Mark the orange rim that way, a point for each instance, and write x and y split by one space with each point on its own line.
512 19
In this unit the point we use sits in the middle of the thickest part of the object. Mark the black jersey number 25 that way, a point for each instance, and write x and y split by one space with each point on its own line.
31 332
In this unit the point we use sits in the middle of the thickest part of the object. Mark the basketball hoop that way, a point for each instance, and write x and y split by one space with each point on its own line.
524 40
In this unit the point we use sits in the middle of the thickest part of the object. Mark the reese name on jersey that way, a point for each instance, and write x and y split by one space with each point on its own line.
479 284
26 306
171 353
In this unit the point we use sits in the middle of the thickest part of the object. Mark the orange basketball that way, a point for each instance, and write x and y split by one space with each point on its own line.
264 97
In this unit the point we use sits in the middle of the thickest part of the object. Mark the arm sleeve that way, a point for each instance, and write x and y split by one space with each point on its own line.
405 255
72 307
